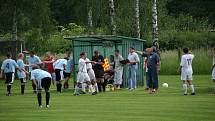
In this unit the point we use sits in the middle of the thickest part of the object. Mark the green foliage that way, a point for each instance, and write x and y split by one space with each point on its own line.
201 63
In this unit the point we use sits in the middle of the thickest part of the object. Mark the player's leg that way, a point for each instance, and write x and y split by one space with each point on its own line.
46 83
155 80
190 82
129 77
103 83
9 82
33 85
213 78
150 81
184 78
58 80
22 84
78 83
39 97
83 88
87 78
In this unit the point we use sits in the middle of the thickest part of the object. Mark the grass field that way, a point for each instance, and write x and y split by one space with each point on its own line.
168 105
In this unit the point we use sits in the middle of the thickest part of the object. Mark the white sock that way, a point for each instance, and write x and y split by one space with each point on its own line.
185 88
76 89
91 88
96 87
83 87
192 88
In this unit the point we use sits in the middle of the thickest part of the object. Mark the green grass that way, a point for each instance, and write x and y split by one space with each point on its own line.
123 105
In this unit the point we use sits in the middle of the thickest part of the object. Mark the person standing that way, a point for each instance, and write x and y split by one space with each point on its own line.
42 79
68 70
132 68
59 67
213 68
186 71
33 60
99 70
48 61
22 73
8 68
118 71
83 76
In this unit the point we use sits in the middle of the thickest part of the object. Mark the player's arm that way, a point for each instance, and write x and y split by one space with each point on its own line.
142 53
34 82
158 62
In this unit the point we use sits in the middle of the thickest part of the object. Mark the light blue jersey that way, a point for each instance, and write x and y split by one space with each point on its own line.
69 66
9 65
21 74
33 61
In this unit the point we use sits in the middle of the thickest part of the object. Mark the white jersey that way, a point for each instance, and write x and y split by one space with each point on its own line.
39 74
186 62
82 67
89 65
59 64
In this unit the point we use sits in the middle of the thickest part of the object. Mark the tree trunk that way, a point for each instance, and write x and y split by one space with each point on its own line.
154 23
89 19
137 19
112 17
14 32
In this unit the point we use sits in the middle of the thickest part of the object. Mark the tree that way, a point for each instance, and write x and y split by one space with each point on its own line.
112 17
137 19
90 19
154 22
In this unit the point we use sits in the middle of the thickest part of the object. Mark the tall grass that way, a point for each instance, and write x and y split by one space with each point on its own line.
201 63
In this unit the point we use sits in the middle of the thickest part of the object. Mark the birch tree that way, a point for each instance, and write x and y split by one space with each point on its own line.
90 18
112 17
154 23
137 19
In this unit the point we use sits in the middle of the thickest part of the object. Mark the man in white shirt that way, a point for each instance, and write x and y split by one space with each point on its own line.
59 67
132 68
83 76
213 68
187 71
42 79
118 70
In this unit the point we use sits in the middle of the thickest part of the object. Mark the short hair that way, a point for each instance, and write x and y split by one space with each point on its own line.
32 52
117 51
82 53
132 48
35 67
185 50
96 52
8 55
20 55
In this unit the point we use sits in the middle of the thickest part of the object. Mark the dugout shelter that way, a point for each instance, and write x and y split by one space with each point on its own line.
106 45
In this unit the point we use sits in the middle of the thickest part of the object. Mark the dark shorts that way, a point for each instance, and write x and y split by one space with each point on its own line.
22 80
58 74
66 75
46 83
99 73
9 78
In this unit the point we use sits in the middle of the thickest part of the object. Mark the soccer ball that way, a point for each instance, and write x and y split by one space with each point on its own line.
165 85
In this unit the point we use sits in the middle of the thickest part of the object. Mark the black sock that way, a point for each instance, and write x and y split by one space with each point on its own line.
47 98
99 86
39 98
60 86
22 89
9 89
103 86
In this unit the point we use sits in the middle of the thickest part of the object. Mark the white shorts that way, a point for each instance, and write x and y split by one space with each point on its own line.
91 74
213 74
186 75
82 77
